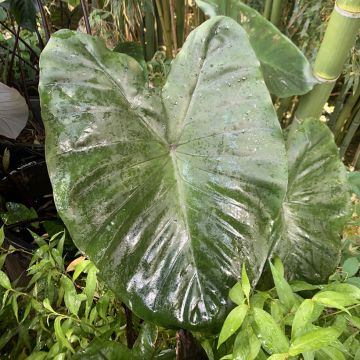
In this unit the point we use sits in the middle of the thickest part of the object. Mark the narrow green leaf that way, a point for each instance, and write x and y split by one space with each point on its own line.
105 349
27 311
277 310
4 281
269 333
90 288
279 266
2 235
38 355
60 334
313 340
298 285
258 300
79 268
310 355
60 245
283 289
342 288
70 295
303 317
246 345
236 294
334 299
2 259
333 353
340 323
144 346
355 320
232 322
47 305
208 349
14 306
278 357
245 283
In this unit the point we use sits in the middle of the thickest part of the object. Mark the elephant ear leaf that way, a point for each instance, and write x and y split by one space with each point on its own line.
167 193
286 70
317 205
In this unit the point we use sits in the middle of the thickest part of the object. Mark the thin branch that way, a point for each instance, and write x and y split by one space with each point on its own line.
43 19
20 39
9 77
18 56
86 16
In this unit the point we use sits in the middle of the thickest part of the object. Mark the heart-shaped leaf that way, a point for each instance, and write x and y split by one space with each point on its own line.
167 194
317 205
286 70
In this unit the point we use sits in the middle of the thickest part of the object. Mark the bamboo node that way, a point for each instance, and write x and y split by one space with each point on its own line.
324 80
346 13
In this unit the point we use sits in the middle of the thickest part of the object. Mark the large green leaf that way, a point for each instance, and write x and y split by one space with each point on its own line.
168 194
317 205
286 70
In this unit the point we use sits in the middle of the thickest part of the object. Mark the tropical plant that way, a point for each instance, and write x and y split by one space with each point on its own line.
169 194
66 312
292 321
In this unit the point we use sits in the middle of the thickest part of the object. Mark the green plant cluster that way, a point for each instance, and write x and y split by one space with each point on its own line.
65 310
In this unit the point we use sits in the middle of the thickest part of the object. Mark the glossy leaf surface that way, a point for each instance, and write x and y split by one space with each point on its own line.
269 332
168 195
286 70
313 340
307 234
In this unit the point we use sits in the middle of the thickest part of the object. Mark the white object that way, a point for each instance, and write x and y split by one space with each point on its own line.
14 112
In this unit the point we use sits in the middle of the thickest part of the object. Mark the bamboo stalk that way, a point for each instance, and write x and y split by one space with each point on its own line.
150 40
356 160
43 20
276 11
267 9
165 29
339 37
180 21
173 26
355 124
346 113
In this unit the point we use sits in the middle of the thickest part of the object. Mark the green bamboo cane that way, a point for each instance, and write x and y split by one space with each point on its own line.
350 133
180 21
339 38
339 105
150 40
276 12
348 123
167 28
356 160
346 113
165 25
267 9
173 26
